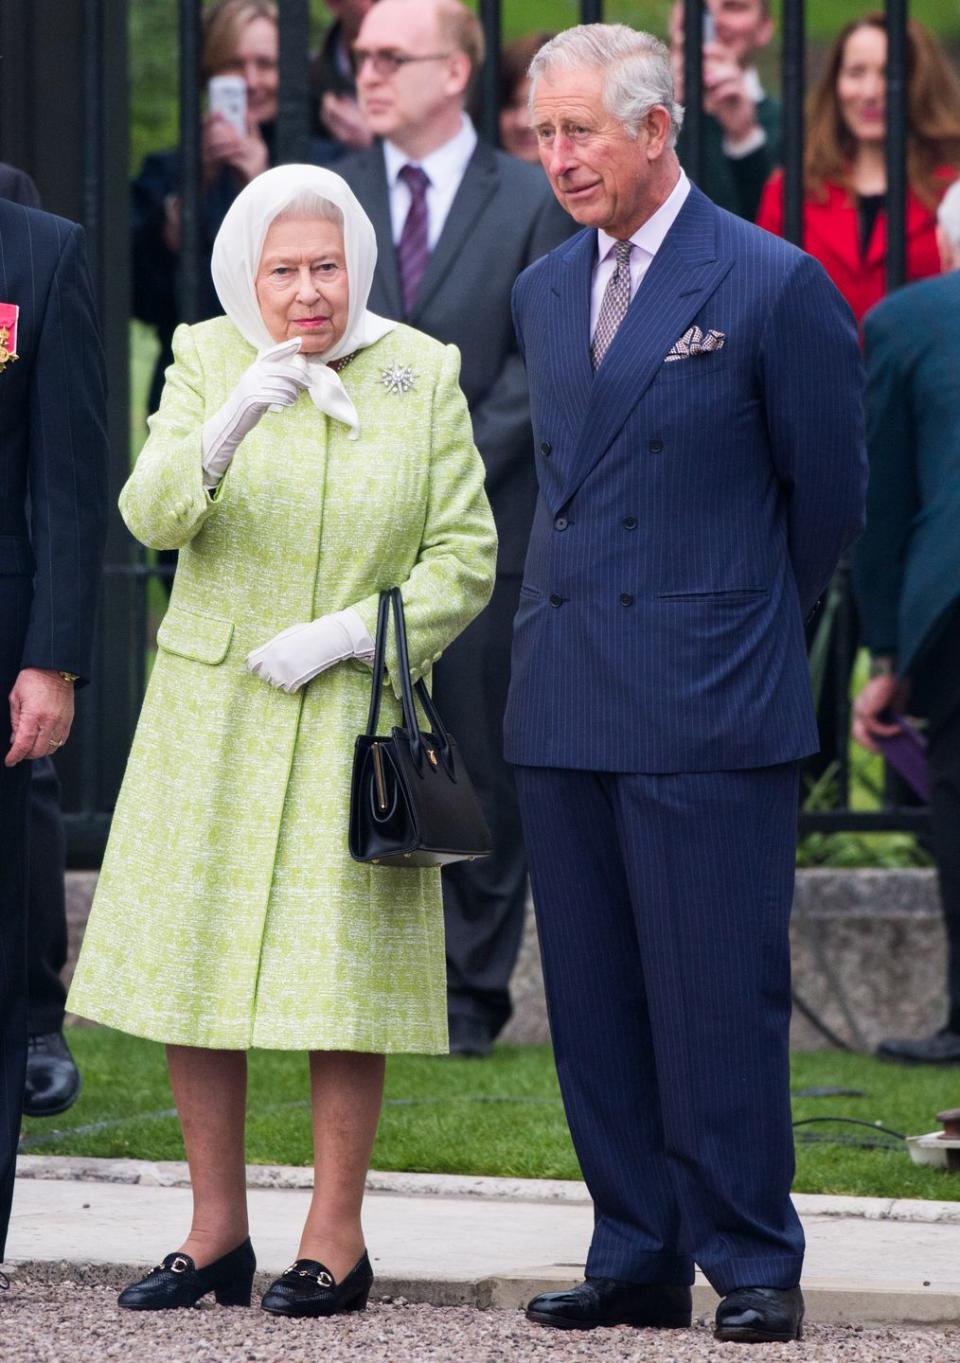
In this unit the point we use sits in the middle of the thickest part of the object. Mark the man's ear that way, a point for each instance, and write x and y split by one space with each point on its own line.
459 73
657 125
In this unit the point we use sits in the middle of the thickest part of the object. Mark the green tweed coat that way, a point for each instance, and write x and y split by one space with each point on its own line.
228 912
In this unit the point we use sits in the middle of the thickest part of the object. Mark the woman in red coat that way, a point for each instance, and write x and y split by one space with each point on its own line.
845 173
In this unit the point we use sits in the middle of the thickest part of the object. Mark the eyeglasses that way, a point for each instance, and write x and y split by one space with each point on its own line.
387 63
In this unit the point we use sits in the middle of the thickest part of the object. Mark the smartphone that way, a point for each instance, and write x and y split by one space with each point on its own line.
227 96
906 752
709 26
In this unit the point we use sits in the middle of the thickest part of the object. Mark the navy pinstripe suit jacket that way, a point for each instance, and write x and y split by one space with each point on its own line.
53 444
690 512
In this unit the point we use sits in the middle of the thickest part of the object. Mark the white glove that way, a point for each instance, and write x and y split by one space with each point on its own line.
276 379
300 653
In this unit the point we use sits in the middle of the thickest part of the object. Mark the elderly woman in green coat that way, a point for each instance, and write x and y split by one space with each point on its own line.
306 455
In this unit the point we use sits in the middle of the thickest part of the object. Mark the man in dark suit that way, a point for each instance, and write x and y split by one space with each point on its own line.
907 566
53 1080
52 458
456 222
695 391
742 129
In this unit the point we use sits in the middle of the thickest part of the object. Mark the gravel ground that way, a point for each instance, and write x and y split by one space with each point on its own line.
72 1323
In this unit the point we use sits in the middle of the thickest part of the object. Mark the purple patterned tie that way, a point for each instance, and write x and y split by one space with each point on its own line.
413 250
616 300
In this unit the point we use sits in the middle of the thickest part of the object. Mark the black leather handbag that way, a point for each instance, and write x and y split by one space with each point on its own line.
411 800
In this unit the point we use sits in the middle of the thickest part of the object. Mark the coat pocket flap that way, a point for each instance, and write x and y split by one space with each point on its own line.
203 638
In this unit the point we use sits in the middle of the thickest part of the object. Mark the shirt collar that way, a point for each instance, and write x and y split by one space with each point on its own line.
442 166
649 236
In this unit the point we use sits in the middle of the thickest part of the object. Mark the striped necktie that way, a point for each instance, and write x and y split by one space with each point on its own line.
613 309
413 250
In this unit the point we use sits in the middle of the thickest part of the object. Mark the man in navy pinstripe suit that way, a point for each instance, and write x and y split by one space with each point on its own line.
52 522
696 396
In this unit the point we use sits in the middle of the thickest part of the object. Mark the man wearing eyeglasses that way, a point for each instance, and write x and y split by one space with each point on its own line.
456 223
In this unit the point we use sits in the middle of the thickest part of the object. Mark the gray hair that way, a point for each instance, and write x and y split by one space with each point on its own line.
307 203
948 214
637 67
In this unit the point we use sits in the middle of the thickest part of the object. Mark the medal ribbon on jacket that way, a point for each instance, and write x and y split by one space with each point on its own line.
9 314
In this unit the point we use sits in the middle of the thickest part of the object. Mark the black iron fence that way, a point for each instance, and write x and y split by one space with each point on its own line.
69 128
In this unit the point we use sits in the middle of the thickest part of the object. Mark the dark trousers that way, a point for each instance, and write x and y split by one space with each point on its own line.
46 911
483 901
937 691
14 783
663 906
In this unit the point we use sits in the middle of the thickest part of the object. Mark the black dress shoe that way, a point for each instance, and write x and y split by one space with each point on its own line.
53 1080
760 1315
470 1038
178 1282
606 1301
943 1048
306 1288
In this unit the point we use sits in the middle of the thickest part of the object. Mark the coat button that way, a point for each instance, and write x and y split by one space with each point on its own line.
556 600
629 522
626 599
545 448
561 523
655 446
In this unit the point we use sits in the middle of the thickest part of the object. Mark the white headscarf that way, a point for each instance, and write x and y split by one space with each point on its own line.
236 259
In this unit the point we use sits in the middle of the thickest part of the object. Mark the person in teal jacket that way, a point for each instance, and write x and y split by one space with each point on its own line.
907 566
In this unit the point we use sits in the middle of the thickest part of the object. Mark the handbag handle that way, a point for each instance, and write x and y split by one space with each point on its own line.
394 597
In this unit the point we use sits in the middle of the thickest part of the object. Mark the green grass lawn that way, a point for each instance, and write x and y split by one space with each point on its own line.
501 1117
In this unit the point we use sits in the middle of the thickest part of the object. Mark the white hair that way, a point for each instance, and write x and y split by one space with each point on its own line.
948 214
309 203
636 66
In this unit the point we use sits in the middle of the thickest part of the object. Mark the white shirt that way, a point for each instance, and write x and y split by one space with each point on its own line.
444 168
647 241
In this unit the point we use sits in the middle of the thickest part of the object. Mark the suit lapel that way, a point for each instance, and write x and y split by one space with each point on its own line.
480 180
682 276
569 333
374 194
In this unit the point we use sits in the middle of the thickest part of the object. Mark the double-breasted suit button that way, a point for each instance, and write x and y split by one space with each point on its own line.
560 523
626 599
655 446
629 522
545 448
556 600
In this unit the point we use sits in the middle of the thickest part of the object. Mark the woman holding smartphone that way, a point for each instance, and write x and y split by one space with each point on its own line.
240 39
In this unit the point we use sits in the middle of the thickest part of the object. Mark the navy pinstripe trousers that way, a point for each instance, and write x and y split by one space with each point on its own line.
663 905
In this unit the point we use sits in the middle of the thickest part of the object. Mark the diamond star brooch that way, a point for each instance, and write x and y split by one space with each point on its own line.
399 378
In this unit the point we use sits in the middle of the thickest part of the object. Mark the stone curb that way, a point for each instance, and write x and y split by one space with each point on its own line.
173 1174
827 1303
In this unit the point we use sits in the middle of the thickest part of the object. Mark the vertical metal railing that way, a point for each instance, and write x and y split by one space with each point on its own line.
191 164
490 75
897 76
693 12
293 121
793 81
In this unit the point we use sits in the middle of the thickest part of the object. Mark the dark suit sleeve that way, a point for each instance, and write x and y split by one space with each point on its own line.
501 418
68 468
894 497
812 378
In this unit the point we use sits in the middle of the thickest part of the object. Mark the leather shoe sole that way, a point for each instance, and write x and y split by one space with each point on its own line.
640 1323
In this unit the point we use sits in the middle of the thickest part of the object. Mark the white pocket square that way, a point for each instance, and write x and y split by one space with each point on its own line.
694 342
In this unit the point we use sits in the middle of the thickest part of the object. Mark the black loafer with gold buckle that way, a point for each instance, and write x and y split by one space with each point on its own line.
178 1282
307 1288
